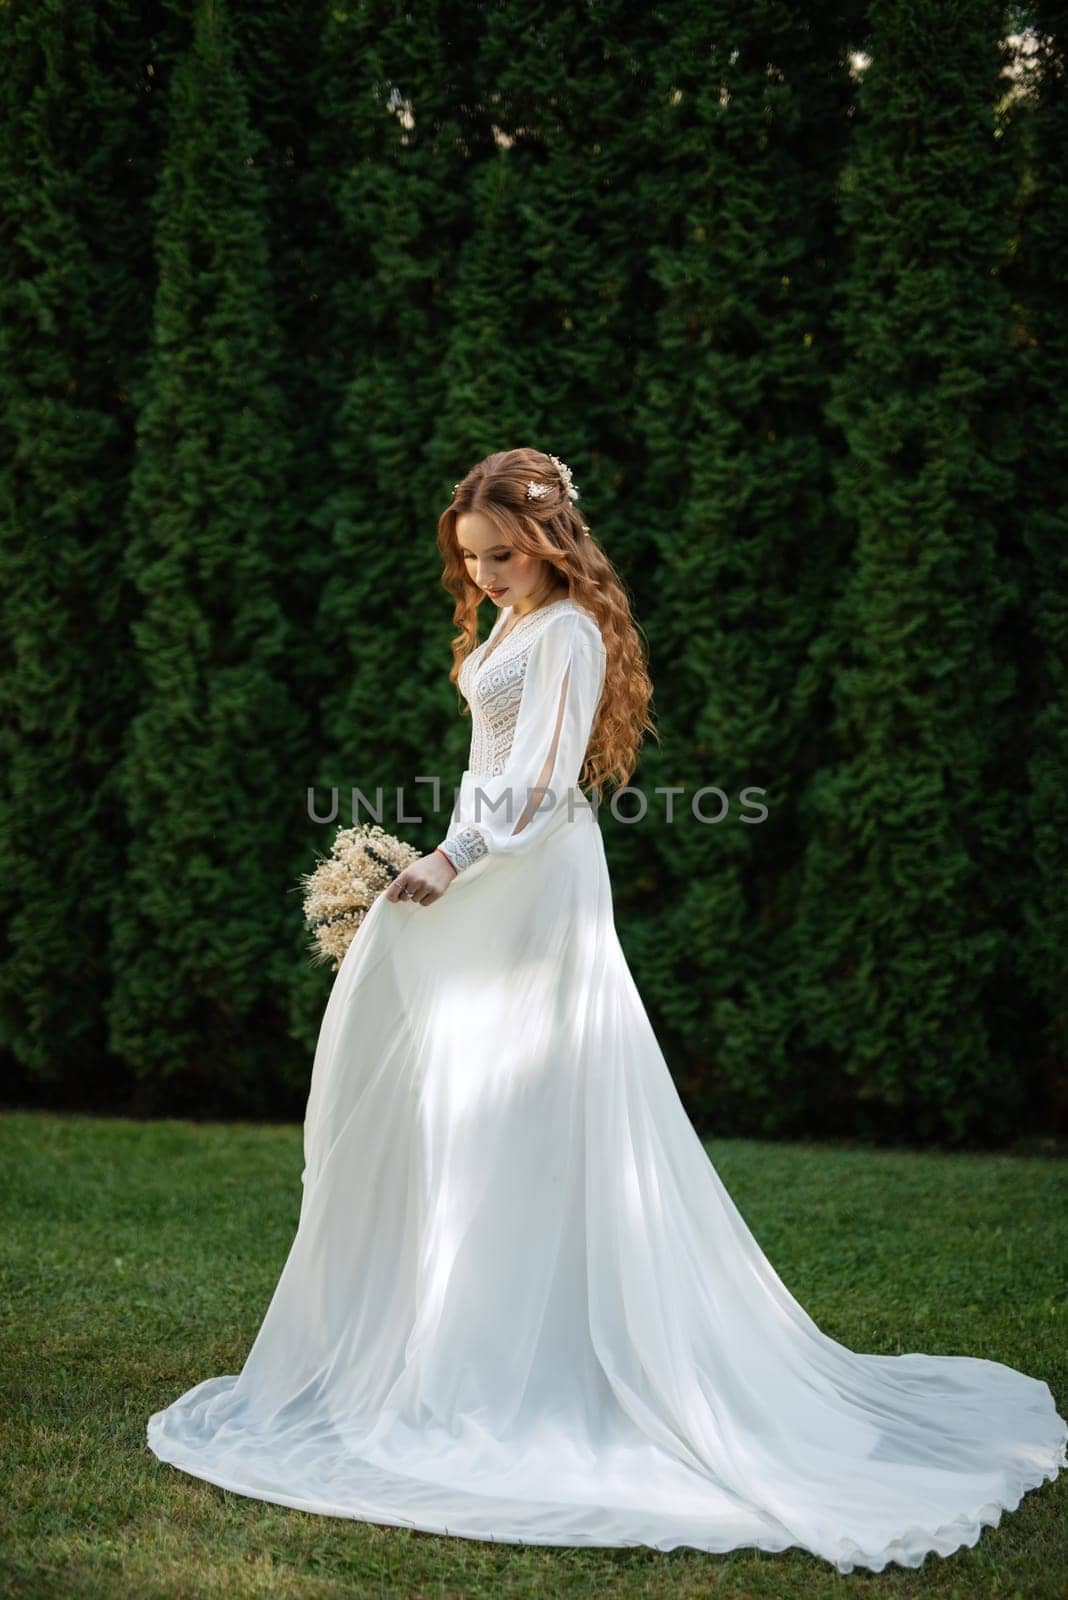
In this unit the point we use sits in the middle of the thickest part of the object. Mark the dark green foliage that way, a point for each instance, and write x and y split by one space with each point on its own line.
213 757
907 906
273 278
750 114
392 151
78 160
1040 750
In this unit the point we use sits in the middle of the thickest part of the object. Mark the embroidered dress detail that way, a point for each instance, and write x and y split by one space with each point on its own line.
464 847
491 681
557 649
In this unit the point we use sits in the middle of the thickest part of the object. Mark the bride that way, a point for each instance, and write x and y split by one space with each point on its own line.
520 1304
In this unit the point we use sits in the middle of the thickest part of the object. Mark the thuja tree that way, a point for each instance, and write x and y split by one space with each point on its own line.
394 140
902 924
385 164
200 948
1040 763
80 133
749 114
281 65
303 135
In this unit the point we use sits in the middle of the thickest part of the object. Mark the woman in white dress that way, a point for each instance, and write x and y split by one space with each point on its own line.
520 1304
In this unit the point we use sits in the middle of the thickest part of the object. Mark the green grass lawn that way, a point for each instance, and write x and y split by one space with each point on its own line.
139 1258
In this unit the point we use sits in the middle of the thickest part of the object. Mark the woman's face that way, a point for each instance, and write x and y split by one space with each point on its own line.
507 575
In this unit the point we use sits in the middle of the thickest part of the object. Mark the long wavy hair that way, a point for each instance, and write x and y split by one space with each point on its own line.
552 528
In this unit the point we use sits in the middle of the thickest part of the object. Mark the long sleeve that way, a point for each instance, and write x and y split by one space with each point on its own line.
561 692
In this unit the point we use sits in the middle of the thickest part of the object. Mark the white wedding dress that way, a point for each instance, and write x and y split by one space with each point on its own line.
520 1305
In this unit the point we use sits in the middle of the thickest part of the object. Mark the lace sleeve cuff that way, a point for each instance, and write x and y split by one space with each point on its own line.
464 847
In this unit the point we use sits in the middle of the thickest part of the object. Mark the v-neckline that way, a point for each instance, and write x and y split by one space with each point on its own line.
506 632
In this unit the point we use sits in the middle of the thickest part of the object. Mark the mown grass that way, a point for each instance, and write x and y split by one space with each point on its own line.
139 1258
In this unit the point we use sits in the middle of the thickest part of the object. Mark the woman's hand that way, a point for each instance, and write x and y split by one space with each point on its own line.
427 879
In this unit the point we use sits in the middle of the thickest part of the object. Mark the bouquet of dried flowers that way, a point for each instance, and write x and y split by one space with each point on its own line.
342 888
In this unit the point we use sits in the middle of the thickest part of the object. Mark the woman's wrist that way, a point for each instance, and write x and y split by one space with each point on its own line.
439 851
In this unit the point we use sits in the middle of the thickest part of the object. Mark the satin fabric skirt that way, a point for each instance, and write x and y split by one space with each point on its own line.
520 1304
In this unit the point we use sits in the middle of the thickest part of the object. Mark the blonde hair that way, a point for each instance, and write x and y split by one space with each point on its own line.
552 528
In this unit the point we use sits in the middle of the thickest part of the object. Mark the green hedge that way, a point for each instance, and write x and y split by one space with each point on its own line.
786 300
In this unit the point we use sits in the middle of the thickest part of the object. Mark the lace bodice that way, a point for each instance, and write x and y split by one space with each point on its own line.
533 688
494 690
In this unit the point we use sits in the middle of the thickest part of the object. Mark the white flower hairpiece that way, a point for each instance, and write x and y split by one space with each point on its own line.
538 491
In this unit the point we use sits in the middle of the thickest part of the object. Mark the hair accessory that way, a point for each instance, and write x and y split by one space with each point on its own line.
565 473
538 491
